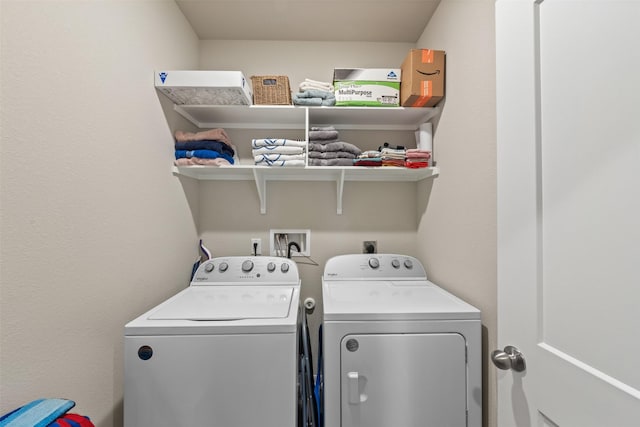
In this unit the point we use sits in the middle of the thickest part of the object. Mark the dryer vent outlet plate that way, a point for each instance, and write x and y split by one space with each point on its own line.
370 247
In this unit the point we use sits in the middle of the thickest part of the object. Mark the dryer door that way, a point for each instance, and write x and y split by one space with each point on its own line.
408 380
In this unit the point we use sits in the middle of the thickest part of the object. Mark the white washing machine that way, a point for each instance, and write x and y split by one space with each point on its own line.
398 350
221 353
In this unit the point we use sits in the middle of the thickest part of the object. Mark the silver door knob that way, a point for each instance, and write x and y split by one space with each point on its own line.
510 358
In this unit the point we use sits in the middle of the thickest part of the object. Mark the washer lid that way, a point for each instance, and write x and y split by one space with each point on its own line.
392 300
227 303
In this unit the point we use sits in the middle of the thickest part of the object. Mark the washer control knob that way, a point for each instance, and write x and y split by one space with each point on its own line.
271 267
284 267
374 263
395 263
408 264
247 266
223 267
209 267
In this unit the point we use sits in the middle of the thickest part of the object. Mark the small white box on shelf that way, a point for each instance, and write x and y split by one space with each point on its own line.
185 87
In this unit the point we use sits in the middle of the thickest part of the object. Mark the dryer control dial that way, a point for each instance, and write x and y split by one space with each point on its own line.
284 267
247 266
395 263
209 267
408 263
223 267
271 267
374 263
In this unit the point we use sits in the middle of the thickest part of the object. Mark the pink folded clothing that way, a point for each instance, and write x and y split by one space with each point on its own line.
414 153
195 161
205 135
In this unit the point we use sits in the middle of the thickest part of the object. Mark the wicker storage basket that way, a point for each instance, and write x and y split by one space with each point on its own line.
271 90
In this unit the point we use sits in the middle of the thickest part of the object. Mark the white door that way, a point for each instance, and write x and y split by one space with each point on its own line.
568 94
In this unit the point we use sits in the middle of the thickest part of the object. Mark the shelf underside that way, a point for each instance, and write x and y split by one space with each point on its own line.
309 173
263 174
294 117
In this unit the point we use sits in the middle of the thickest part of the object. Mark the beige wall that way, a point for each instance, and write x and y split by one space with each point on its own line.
94 228
457 210
298 59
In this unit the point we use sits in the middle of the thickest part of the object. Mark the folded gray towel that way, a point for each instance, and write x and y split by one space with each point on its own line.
330 162
314 102
335 146
322 128
331 155
321 135
319 141
315 93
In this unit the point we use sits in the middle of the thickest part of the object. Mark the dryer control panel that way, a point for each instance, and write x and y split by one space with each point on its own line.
374 267
253 270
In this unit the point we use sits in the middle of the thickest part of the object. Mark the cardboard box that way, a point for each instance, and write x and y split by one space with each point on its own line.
423 72
204 87
367 87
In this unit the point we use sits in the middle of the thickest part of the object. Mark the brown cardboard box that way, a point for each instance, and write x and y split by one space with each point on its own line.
423 74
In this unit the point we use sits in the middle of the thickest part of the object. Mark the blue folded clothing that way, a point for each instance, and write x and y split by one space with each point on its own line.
39 413
218 146
202 154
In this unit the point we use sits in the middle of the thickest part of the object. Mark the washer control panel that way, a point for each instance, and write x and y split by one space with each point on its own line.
251 269
374 266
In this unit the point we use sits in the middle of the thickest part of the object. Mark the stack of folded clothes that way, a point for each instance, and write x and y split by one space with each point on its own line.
417 158
392 155
315 93
278 152
370 158
325 148
210 148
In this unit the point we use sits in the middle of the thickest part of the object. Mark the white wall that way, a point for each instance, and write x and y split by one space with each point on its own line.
457 210
94 227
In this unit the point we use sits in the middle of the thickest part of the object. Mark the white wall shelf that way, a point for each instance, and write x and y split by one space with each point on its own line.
262 174
299 118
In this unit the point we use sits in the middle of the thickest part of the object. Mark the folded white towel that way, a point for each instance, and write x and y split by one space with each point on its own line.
278 149
309 86
370 154
283 163
315 84
270 142
275 157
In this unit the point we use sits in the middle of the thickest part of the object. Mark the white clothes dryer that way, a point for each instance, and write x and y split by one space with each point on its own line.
398 350
221 353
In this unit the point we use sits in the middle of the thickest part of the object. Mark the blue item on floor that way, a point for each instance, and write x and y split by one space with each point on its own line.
39 413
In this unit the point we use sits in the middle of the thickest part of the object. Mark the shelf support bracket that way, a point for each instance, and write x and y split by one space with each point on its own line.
261 186
339 191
